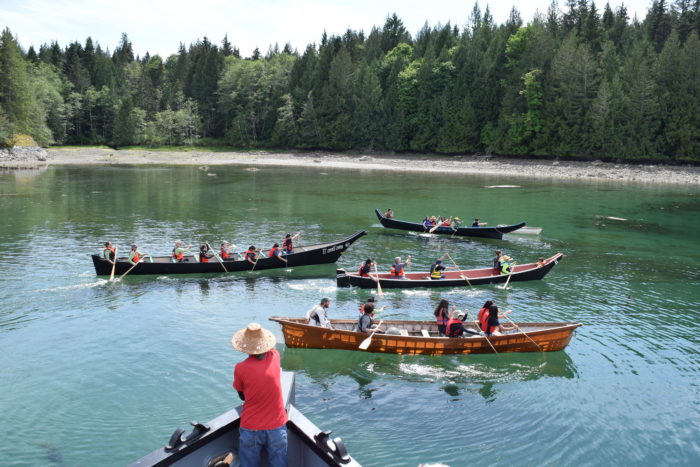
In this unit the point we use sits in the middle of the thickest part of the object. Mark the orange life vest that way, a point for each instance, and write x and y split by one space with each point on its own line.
272 251
395 272
224 253
111 252
136 257
363 271
178 256
448 328
203 258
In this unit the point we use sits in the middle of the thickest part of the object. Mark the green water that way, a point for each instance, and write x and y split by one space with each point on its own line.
101 373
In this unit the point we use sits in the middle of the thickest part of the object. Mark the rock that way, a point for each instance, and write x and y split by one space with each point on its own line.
23 155
597 162
555 163
365 158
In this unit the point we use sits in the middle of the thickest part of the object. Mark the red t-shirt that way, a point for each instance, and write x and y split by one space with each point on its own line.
259 381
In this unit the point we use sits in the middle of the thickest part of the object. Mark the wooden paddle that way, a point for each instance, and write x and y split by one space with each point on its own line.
218 259
364 345
379 286
518 328
509 275
436 226
256 260
114 264
461 275
478 326
127 272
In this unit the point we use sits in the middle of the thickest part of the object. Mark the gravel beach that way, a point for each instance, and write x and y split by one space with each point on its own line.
480 165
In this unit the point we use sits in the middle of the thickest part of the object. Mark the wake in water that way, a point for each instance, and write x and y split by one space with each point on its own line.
88 285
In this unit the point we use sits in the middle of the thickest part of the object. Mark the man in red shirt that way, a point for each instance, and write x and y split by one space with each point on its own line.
257 380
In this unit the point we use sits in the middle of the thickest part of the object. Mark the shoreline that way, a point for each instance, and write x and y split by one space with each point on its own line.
466 165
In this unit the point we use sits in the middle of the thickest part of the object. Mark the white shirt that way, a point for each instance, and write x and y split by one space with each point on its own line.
322 319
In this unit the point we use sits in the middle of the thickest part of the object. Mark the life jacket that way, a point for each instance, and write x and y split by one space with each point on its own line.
435 273
178 253
203 257
396 272
441 318
287 244
224 253
250 254
449 331
136 257
363 271
273 251
483 318
111 252
447 223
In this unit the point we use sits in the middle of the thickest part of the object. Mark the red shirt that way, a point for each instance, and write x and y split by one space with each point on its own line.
259 381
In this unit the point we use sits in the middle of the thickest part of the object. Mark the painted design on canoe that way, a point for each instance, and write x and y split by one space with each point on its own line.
482 232
421 337
463 278
322 253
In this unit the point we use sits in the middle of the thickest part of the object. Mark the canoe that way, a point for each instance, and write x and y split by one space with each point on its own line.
483 232
422 337
525 230
322 253
463 278
307 445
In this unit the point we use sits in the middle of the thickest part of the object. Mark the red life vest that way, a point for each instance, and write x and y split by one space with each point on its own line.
111 252
441 319
484 321
362 272
395 272
203 258
287 244
136 257
178 256
448 328
250 254
224 253
273 251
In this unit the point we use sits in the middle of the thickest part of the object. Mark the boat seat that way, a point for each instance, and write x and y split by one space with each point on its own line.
425 332
404 332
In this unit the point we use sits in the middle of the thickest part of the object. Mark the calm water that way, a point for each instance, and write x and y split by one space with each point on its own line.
97 370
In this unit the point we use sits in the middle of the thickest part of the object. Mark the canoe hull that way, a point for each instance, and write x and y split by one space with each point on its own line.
550 337
524 272
478 232
323 253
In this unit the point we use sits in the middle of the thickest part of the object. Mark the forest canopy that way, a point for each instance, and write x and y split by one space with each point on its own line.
574 82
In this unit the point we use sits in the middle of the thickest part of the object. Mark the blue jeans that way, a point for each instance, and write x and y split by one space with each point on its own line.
253 441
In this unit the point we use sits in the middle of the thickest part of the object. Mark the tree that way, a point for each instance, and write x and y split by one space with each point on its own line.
125 124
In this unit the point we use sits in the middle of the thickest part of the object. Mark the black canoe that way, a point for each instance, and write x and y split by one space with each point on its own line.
307 445
322 253
464 278
483 232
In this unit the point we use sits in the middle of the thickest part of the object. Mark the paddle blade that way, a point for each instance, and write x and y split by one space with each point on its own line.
364 345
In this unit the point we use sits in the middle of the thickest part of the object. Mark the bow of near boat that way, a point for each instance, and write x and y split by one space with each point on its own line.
482 232
463 278
422 337
307 445
306 255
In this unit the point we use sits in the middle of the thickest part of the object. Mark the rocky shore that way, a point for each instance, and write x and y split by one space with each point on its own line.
23 157
473 165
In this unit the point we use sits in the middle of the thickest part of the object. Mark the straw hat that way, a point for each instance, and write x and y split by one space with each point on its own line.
458 314
253 340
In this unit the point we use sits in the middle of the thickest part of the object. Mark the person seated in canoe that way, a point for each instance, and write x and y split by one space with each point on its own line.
502 263
476 223
251 254
109 253
483 314
456 223
426 222
442 315
205 253
226 251
366 268
366 323
397 269
370 301
493 327
135 256
288 243
437 268
447 222
455 326
389 214
540 262
275 252
318 316
179 252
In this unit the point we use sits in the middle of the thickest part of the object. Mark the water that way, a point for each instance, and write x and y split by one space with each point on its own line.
97 370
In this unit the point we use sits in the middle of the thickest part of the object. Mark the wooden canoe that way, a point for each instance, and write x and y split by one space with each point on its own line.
422 337
322 253
307 445
526 230
521 272
482 232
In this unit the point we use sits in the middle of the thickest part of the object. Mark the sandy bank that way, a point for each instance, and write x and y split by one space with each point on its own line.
481 165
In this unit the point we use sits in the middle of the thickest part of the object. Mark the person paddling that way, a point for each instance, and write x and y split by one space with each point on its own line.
275 252
455 326
442 315
205 253
179 252
251 254
288 243
135 256
109 252
225 251
397 269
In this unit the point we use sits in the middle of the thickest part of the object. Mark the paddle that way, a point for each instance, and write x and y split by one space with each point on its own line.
218 259
256 260
114 264
436 226
478 326
379 286
364 345
127 272
518 328
509 276
461 275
